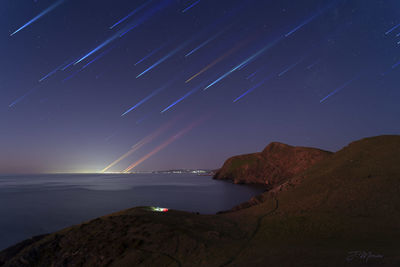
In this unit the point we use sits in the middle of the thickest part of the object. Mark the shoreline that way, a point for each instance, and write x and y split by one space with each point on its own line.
204 198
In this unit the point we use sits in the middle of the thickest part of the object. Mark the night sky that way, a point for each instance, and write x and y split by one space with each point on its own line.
164 84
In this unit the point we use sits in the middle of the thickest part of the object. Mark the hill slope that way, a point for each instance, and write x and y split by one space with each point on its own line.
348 202
276 163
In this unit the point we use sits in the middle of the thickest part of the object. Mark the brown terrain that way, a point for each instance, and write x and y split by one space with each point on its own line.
343 210
275 164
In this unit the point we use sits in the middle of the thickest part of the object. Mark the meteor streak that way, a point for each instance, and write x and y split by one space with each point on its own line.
143 100
125 30
48 75
183 97
163 145
305 22
189 7
203 44
231 51
69 64
105 43
72 75
170 54
248 60
301 25
119 159
338 89
396 65
98 57
22 97
392 29
150 54
149 96
141 143
44 12
251 75
87 64
252 88
145 17
51 73
313 64
289 68
130 14
391 69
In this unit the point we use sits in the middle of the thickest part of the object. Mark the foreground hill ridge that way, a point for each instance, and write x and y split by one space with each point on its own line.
276 164
331 214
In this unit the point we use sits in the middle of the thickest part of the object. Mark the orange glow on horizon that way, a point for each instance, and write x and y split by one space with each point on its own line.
164 145
141 143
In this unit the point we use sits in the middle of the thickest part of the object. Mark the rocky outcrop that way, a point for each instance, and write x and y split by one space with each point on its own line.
276 164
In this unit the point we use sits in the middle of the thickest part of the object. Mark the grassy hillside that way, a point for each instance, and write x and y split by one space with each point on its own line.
347 202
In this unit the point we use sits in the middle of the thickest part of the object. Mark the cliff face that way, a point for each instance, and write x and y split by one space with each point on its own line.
274 165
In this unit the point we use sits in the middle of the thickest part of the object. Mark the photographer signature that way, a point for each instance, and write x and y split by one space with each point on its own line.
363 256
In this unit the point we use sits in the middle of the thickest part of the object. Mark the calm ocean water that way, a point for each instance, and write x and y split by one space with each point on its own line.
38 204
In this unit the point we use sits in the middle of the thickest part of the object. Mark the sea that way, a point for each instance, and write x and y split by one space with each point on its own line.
32 205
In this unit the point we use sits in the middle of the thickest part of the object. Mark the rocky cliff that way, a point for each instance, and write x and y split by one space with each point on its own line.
274 165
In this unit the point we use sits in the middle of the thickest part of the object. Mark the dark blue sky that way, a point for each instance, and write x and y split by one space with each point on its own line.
87 80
